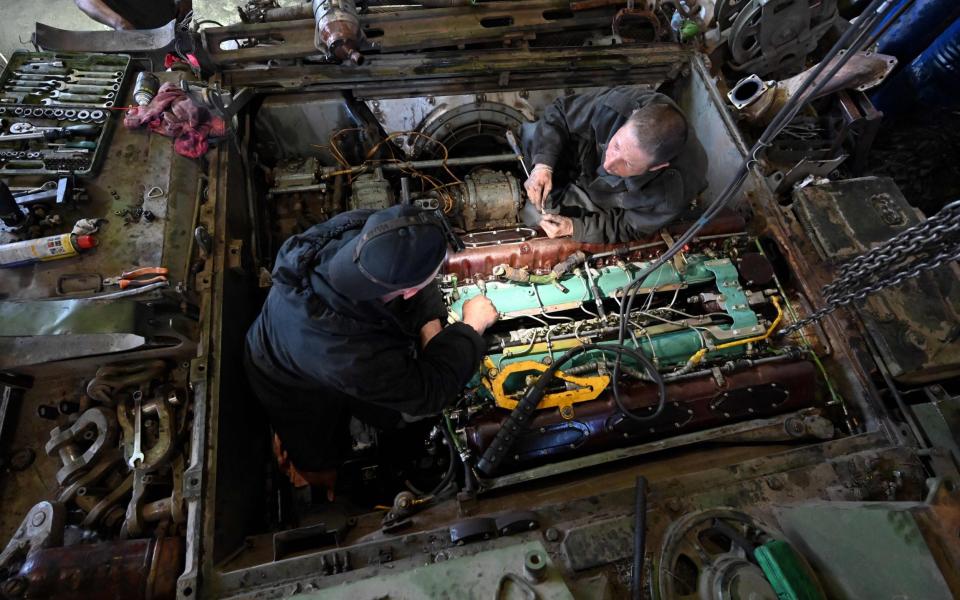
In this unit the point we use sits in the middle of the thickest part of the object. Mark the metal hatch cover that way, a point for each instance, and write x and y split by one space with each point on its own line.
916 324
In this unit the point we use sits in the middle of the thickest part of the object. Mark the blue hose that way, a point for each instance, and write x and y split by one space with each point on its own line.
931 80
916 28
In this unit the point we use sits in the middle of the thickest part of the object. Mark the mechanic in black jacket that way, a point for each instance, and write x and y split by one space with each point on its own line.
352 327
611 166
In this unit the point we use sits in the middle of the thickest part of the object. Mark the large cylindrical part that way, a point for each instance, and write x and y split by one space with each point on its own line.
338 29
916 28
932 79
133 569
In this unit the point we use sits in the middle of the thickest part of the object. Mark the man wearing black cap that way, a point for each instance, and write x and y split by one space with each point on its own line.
352 327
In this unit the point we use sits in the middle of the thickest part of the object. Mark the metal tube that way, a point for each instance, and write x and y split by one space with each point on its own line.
314 187
424 164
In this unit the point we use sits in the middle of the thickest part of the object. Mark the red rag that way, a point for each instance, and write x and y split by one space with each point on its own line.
173 113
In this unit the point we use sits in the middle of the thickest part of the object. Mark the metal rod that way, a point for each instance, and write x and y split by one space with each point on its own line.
315 187
908 415
423 164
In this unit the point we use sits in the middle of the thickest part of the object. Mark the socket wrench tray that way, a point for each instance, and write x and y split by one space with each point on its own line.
45 91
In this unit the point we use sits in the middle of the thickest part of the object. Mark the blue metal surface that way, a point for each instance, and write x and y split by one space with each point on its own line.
916 28
932 79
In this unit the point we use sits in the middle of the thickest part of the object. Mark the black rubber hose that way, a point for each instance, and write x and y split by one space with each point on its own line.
639 537
451 468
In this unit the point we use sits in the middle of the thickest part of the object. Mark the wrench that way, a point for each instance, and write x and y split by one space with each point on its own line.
95 74
23 127
79 87
82 97
45 76
42 69
46 63
73 104
30 90
29 82
91 80
136 455
100 68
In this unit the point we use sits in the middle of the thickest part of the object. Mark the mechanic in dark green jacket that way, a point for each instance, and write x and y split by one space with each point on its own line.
611 166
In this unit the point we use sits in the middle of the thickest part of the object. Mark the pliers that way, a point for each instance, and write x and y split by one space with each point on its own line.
134 278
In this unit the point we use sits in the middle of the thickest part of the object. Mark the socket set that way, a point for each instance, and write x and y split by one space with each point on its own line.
57 111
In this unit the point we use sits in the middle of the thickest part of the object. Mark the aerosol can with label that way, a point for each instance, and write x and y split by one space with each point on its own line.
43 249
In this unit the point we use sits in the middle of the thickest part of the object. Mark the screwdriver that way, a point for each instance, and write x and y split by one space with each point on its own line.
53 134
512 140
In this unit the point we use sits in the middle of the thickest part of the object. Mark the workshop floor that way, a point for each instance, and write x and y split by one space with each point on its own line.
17 18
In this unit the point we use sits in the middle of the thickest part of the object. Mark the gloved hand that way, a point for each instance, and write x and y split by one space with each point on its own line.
539 184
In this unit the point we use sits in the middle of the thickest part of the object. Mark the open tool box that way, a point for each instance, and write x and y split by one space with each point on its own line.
56 111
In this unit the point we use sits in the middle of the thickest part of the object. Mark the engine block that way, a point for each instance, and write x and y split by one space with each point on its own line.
704 321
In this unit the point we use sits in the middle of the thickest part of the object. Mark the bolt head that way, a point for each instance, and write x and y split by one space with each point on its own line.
38 519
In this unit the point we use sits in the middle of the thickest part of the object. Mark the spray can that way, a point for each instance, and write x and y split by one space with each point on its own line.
146 88
42 249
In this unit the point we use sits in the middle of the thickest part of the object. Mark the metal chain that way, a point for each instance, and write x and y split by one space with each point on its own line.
907 242
920 248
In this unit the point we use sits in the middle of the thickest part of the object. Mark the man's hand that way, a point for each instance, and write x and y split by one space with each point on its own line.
100 11
480 313
325 480
556 226
539 184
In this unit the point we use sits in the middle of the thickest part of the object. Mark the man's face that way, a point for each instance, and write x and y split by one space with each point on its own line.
411 292
625 158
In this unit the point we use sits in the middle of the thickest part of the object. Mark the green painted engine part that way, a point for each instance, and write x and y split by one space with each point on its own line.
666 348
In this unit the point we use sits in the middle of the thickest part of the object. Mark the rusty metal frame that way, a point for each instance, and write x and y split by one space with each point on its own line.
407 30
779 224
473 71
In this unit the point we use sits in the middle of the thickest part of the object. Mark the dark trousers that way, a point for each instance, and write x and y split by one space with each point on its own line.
313 426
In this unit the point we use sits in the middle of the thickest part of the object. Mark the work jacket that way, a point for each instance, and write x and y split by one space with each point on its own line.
572 136
312 337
